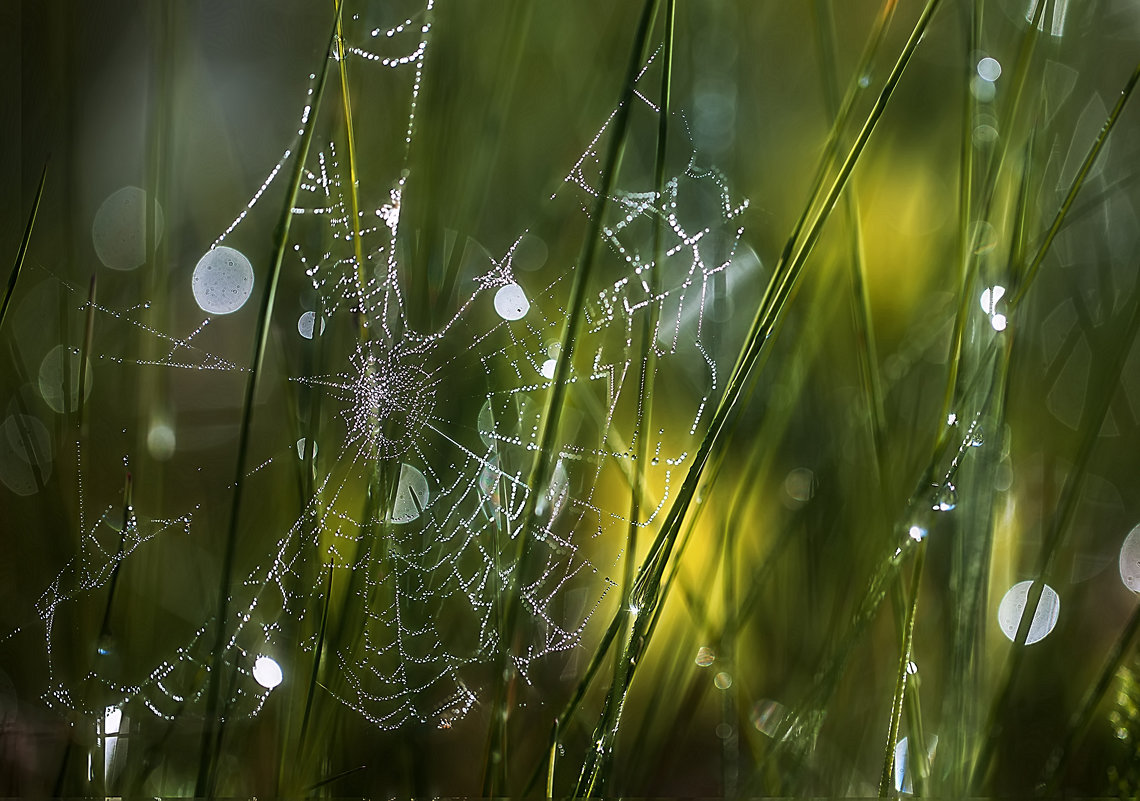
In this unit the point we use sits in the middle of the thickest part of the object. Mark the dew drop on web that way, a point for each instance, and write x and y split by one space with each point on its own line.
511 302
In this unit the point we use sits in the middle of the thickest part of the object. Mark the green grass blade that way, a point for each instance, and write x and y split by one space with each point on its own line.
1108 370
14 276
211 743
543 462
1025 280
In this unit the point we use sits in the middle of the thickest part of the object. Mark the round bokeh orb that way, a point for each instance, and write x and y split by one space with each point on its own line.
118 231
1012 608
222 281
511 302
1130 560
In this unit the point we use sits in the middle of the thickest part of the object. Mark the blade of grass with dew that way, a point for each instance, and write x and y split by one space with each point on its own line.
22 253
542 464
918 512
352 608
211 742
601 767
886 778
1108 371
967 188
774 421
872 388
771 309
1023 282
353 194
312 508
767 318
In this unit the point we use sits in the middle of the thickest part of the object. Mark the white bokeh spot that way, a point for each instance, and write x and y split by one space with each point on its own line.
222 281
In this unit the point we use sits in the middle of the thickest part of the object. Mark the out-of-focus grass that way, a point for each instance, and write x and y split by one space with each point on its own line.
889 430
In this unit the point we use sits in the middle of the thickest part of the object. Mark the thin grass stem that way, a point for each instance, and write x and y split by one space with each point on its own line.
22 253
211 743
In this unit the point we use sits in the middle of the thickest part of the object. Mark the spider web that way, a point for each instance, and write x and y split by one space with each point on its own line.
441 543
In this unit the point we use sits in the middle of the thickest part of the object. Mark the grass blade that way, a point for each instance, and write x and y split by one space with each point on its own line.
14 276
211 732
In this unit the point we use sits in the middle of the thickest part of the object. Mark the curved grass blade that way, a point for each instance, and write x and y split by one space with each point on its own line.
84 353
14 276
1026 278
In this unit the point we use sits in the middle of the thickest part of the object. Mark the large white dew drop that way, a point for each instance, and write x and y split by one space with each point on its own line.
511 302
267 672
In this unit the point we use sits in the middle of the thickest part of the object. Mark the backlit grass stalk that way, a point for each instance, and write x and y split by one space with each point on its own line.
1025 279
1090 427
543 463
353 194
212 730
767 317
22 253
646 379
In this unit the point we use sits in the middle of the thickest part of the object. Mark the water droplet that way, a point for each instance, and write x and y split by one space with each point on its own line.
511 302
723 680
705 656
946 498
112 720
267 672
301 443
902 773
799 486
